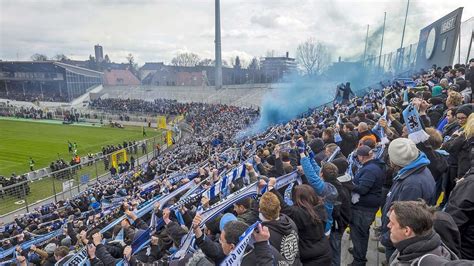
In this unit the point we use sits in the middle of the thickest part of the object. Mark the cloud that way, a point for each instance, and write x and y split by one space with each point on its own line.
154 30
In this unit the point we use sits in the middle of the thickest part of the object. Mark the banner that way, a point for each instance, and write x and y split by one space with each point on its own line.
118 157
161 122
169 138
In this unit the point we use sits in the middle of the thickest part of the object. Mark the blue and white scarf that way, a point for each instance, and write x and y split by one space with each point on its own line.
235 257
413 124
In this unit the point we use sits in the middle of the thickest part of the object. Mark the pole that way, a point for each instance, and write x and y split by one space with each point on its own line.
459 46
383 32
218 56
403 33
365 49
24 195
96 172
469 49
54 190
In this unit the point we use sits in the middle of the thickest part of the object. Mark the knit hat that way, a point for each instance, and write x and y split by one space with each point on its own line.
50 248
402 151
436 91
67 242
465 109
225 219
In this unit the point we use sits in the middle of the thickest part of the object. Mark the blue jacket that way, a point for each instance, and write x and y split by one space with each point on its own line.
368 183
324 189
412 182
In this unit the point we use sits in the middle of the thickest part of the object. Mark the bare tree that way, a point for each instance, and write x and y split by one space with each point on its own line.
39 57
254 64
132 66
313 57
185 59
206 62
60 57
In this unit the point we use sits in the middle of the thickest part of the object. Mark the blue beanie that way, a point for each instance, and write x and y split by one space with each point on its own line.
228 217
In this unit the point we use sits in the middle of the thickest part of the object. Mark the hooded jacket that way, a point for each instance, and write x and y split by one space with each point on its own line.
412 182
284 237
410 250
313 244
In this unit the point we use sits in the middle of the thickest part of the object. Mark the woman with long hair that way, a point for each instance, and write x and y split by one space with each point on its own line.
310 217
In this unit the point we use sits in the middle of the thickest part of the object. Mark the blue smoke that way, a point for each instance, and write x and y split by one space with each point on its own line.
289 100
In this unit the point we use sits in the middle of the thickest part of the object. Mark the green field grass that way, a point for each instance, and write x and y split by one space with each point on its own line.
19 140
43 142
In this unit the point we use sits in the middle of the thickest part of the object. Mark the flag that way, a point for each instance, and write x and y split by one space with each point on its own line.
413 124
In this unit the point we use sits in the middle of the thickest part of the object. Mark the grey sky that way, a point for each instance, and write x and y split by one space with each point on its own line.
155 30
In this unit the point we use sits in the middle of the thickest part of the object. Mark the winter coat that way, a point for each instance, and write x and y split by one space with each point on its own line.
460 147
284 237
313 244
435 113
249 217
103 255
348 143
262 254
368 183
410 250
324 189
449 129
342 213
461 207
412 182
438 162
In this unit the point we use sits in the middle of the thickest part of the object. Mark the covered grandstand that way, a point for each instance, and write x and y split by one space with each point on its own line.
45 81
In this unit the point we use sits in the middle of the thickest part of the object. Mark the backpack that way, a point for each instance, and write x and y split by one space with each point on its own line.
342 212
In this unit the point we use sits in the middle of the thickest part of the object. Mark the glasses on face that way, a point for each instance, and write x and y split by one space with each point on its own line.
461 117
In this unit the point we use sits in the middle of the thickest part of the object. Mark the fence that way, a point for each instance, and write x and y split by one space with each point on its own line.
53 186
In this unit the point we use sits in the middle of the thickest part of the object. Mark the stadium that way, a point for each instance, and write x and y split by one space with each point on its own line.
364 161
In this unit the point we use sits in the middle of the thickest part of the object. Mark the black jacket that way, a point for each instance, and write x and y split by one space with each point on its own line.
461 208
348 143
104 255
313 245
410 250
438 162
284 237
461 148
263 254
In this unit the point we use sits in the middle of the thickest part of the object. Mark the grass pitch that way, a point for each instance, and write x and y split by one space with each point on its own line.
45 142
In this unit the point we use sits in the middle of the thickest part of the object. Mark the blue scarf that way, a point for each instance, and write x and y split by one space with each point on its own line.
422 160
413 124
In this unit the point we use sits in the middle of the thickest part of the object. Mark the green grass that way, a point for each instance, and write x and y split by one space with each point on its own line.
43 142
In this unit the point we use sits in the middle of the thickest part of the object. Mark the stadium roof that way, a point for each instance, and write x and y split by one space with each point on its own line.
44 66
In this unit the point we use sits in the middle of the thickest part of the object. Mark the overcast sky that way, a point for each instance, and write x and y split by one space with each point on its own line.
156 30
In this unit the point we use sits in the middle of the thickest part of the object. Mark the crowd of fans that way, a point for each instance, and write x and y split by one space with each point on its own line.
23 112
9 186
158 106
395 149
32 96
